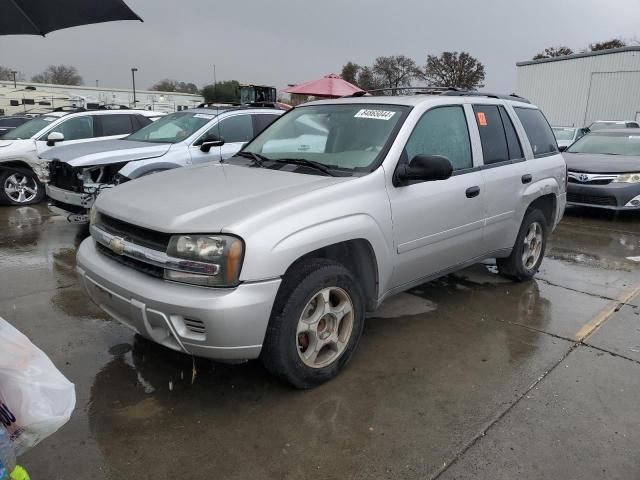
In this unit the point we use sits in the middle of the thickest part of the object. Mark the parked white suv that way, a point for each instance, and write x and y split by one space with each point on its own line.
78 173
280 251
20 170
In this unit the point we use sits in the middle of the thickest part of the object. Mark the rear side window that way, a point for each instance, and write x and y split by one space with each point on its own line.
263 121
540 135
513 143
115 124
442 131
236 129
492 136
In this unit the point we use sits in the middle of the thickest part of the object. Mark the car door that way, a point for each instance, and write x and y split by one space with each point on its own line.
75 130
438 225
505 174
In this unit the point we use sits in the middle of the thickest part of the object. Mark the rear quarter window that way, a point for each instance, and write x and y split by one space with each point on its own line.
541 137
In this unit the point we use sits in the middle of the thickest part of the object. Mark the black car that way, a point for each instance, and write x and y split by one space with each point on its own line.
604 170
9 123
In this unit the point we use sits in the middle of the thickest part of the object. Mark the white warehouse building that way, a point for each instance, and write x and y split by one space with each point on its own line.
578 89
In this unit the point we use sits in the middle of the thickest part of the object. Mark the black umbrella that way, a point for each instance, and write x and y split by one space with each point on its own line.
39 17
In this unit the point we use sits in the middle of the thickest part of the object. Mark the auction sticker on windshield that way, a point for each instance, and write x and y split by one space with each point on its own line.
375 114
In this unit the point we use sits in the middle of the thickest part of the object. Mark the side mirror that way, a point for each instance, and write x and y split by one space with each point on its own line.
53 138
424 168
207 145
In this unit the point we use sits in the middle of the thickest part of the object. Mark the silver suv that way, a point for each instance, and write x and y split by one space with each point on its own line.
279 252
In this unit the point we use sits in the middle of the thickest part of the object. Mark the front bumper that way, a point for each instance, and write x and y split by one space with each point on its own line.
72 205
614 196
222 324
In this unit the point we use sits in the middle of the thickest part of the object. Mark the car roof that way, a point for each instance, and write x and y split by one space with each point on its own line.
420 99
617 122
221 110
617 132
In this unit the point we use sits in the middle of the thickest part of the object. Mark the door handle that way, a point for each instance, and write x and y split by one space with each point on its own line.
527 178
472 192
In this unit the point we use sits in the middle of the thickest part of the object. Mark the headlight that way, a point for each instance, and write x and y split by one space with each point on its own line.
628 178
210 260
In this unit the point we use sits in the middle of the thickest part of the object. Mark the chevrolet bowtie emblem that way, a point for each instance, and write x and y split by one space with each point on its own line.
116 245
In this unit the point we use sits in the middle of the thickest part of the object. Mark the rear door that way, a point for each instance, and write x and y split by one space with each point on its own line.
505 174
438 225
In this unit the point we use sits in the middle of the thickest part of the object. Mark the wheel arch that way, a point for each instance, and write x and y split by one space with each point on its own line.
358 256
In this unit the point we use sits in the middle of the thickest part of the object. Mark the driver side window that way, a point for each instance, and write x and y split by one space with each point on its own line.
442 131
74 128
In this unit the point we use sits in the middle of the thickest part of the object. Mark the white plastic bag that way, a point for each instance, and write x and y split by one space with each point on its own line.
35 398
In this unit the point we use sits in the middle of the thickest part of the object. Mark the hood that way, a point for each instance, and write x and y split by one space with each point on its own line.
102 152
9 148
599 163
206 198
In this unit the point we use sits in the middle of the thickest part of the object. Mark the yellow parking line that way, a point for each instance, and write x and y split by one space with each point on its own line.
607 312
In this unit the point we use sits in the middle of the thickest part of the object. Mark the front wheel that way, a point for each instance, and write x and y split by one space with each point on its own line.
20 186
528 251
316 323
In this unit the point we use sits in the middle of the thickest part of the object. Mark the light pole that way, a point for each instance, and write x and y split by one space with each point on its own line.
133 77
96 83
13 72
215 96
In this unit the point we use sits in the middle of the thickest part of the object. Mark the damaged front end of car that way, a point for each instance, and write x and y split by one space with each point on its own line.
71 191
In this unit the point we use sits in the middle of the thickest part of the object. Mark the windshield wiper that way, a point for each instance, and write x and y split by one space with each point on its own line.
306 163
256 157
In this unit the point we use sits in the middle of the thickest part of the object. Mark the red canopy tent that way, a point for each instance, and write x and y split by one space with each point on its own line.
329 86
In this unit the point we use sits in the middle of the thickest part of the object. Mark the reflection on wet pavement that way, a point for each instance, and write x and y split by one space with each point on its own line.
436 367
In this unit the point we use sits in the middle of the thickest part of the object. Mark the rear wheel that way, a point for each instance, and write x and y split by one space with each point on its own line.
528 251
316 323
20 186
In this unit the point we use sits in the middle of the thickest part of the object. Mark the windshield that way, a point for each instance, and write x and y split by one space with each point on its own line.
564 133
30 128
173 128
345 137
613 144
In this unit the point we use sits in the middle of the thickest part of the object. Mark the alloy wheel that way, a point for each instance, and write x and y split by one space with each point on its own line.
325 327
21 188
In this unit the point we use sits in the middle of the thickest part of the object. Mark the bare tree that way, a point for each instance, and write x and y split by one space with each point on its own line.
7 74
185 87
453 69
368 80
59 75
396 70
553 52
166 85
609 44
350 72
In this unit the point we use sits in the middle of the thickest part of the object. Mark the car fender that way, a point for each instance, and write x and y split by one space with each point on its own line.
172 159
537 189
263 262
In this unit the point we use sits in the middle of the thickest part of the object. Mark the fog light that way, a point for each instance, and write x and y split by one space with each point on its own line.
634 202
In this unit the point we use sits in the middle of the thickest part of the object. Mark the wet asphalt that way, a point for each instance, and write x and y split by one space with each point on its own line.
469 376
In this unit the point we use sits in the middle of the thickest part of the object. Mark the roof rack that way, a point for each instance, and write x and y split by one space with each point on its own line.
437 90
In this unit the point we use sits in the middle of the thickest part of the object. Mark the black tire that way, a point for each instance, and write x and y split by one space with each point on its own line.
280 351
32 180
514 266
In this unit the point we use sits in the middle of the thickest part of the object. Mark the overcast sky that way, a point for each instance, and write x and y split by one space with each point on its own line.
289 41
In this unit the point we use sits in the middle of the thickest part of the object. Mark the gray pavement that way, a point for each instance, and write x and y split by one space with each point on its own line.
469 376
